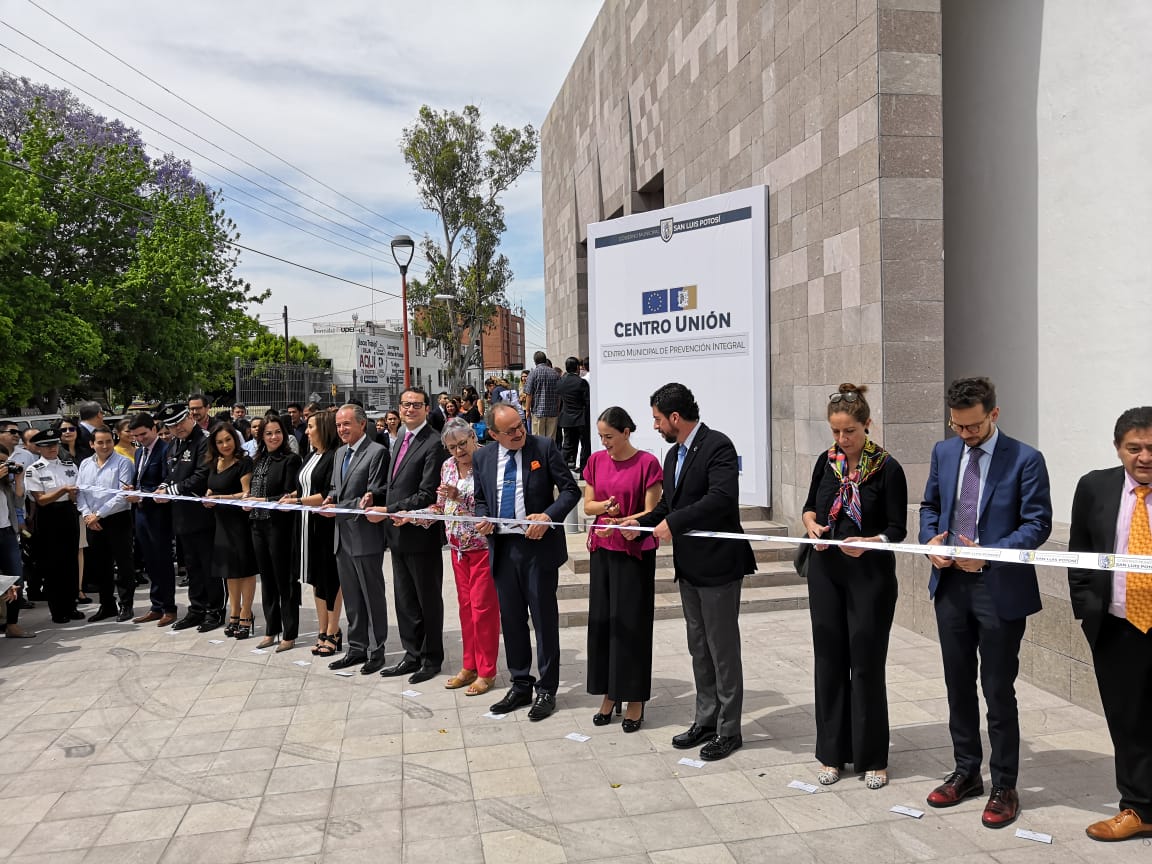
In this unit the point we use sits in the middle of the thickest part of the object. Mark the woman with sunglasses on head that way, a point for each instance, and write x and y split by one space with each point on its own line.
71 451
858 492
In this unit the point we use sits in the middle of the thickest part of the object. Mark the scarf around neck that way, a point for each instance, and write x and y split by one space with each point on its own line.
847 499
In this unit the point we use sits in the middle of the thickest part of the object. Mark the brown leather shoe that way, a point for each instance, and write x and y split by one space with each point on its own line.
955 788
1122 826
144 619
1002 808
168 619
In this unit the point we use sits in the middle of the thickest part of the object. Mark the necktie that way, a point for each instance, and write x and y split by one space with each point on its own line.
344 464
508 494
680 454
965 522
401 452
1139 591
145 455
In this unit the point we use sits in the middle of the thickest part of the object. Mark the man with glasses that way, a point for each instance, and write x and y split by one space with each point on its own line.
198 408
10 438
417 563
984 489
515 480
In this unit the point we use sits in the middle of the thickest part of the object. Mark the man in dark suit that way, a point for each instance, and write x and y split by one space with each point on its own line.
91 419
984 489
360 467
194 524
702 492
153 521
572 391
1110 514
515 480
417 563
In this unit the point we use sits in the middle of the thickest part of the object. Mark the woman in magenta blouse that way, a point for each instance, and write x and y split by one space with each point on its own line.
622 483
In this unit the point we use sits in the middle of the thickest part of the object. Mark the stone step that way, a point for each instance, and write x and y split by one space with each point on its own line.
764 551
574 585
574 613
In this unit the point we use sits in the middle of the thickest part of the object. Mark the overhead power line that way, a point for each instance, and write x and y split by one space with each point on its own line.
217 121
55 181
177 141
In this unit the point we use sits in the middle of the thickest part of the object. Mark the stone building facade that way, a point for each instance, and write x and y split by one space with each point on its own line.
841 107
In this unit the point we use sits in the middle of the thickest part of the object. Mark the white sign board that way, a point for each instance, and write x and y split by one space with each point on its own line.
681 294
371 359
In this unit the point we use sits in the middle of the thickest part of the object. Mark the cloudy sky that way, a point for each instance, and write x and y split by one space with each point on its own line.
327 88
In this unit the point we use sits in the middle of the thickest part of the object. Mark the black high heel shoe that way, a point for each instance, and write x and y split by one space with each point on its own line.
601 719
633 725
232 626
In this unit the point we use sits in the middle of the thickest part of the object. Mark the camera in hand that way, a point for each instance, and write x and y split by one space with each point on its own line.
13 467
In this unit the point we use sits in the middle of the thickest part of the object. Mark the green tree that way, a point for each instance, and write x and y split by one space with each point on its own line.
266 348
461 172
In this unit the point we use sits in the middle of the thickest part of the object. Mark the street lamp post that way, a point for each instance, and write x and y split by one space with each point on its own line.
404 248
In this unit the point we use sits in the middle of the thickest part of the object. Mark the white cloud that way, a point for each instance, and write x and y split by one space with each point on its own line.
328 87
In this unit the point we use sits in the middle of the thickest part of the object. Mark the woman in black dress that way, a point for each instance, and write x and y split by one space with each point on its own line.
858 492
313 555
274 474
230 476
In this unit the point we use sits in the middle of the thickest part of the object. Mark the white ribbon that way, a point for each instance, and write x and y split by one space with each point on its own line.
1039 557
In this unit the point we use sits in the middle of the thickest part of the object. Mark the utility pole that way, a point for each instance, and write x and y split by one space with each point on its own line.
287 398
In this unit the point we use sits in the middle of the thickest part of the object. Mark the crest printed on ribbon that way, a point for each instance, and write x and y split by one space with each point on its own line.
666 229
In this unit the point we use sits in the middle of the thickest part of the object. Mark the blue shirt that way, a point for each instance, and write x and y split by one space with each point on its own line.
118 472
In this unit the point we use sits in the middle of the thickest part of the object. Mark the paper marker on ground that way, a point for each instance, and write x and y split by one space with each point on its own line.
576 736
907 811
258 651
804 787
344 673
411 694
301 662
692 763
491 716
1033 835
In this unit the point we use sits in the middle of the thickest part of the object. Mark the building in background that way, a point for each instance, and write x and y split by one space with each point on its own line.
954 189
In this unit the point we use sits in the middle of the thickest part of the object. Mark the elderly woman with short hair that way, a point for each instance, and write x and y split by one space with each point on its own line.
476 592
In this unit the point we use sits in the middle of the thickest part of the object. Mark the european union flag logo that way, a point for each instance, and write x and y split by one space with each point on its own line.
655 301
682 299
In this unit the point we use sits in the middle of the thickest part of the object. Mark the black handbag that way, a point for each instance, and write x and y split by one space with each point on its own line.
800 560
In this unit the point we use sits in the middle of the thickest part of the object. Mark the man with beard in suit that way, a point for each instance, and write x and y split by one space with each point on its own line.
702 492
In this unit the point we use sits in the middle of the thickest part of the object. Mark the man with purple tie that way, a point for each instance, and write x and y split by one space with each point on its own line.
984 489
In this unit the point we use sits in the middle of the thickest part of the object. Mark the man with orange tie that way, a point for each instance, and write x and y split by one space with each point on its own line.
1110 513
984 489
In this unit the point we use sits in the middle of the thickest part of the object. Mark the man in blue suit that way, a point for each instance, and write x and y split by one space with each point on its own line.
515 480
984 489
153 521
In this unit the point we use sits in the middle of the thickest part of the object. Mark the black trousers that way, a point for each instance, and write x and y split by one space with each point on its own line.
57 550
417 586
279 587
205 590
154 537
108 561
570 443
526 587
1122 656
621 597
851 603
975 640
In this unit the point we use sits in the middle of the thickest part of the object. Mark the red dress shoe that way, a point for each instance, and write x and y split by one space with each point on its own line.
1123 826
955 788
1002 808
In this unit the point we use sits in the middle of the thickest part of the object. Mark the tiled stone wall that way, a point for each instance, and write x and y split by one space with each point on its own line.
835 104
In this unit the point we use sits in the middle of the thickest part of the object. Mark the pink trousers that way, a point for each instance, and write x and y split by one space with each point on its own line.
479 611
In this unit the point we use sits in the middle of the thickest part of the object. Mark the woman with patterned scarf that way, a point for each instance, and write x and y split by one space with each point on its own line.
858 492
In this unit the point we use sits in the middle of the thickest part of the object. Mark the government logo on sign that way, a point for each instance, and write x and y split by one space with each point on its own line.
666 229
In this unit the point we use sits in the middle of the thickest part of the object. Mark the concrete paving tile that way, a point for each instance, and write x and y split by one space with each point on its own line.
599 838
457 818
726 787
745 820
272 842
63 835
211 816
715 854
458 850
784 847
816 812
302 778
158 823
382 833
515 847
674 829
506 782
366 798
486 758
141 852
375 770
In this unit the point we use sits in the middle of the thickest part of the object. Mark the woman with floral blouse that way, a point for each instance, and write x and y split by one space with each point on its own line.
479 607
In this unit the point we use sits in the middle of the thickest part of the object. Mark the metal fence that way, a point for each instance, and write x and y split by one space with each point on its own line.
264 385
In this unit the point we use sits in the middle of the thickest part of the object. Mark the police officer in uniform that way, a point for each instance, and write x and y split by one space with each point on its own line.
52 484
193 523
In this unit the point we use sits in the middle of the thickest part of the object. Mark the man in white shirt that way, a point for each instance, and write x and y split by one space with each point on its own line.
107 516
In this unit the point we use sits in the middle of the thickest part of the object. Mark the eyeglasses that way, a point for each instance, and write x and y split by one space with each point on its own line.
64 429
850 396
9 431
411 406
513 432
969 428
458 445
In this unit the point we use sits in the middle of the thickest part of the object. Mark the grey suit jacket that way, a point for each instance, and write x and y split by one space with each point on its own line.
367 472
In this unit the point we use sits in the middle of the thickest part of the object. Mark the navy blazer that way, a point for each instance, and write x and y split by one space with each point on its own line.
1095 509
1015 513
544 470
